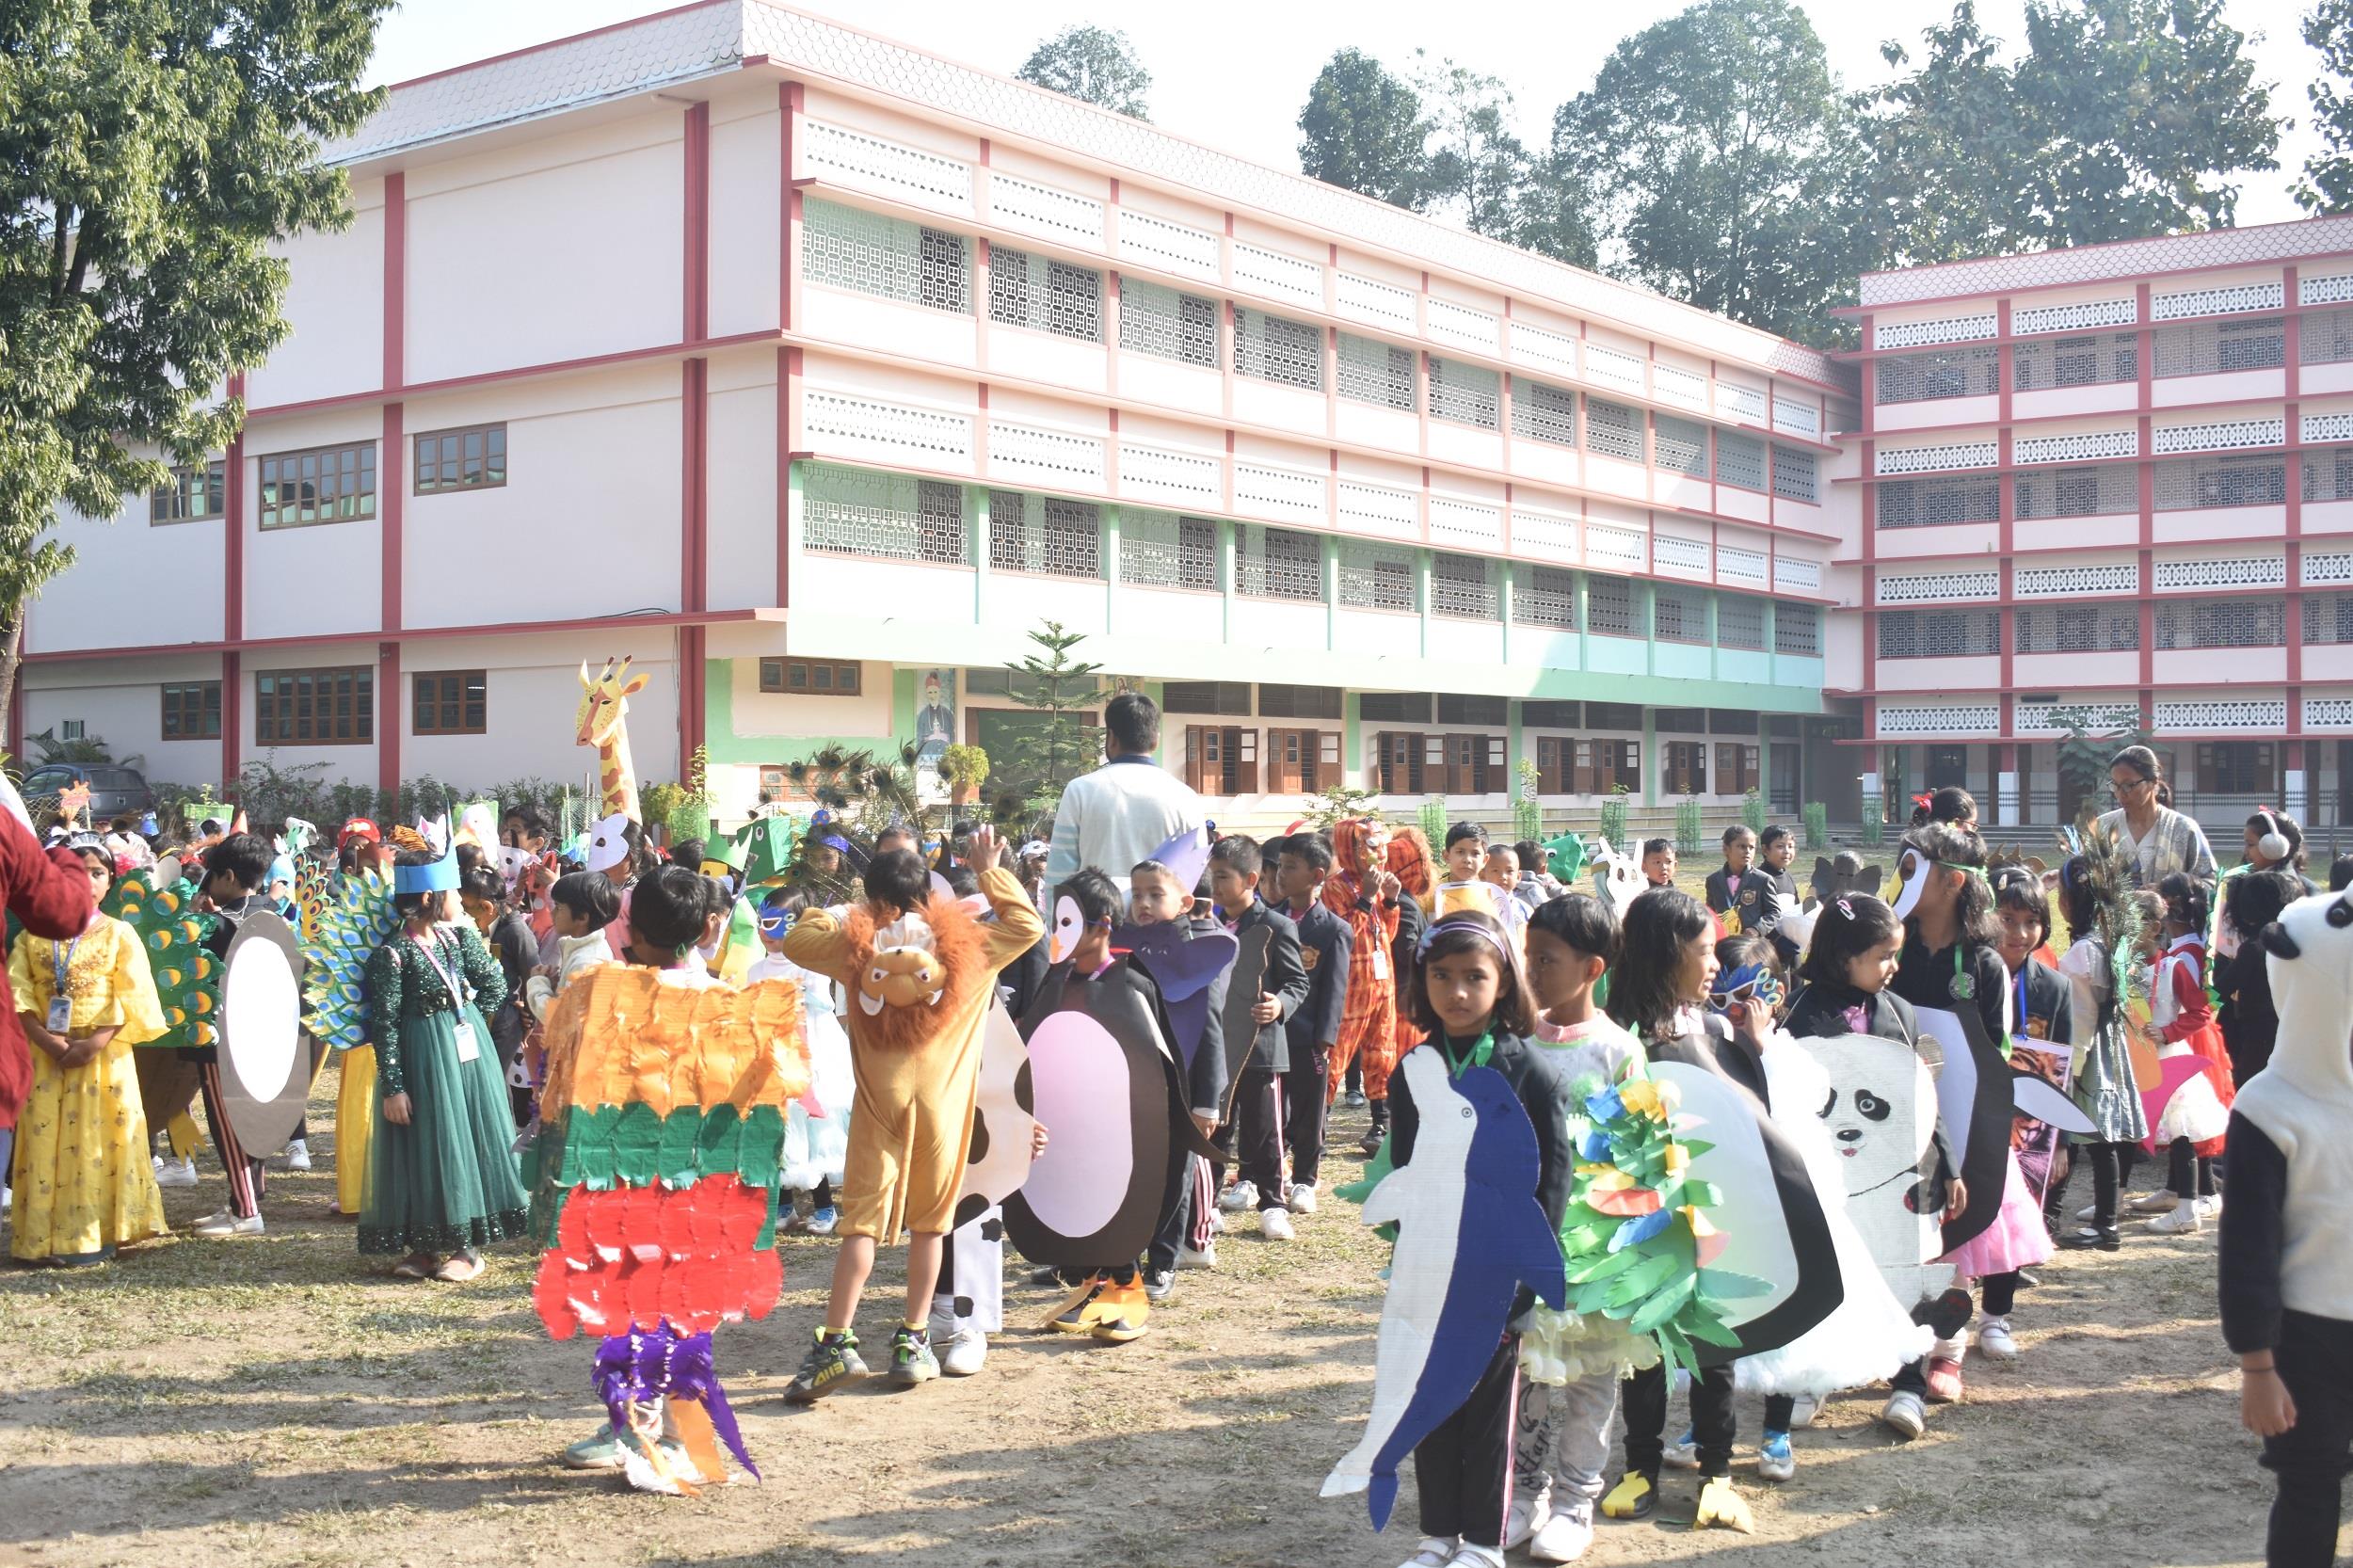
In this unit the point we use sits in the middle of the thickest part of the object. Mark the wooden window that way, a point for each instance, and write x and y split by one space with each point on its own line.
1402 753
450 702
322 707
194 492
1474 764
1300 761
1683 768
1598 767
2238 768
808 678
1457 707
324 483
1735 768
1222 759
1394 707
470 458
192 710
1552 715
1206 697
1305 702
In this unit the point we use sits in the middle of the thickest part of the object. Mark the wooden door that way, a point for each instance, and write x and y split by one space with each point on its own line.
1552 765
1300 761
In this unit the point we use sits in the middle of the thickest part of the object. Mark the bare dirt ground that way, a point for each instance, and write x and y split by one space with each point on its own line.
266 1403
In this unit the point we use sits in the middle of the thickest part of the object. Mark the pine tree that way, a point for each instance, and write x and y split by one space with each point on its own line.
1061 690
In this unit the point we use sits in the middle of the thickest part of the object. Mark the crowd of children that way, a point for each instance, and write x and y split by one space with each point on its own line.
2150 975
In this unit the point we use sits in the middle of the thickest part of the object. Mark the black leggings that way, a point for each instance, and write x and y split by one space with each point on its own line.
2185 1164
2316 1360
1713 1419
2111 1168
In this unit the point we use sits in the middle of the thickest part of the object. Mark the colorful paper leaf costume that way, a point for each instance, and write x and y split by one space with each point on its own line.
187 977
654 1190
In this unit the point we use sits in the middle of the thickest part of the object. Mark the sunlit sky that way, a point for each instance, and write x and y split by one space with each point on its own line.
1234 74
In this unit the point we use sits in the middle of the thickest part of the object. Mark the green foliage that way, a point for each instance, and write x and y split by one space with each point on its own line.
965 766
1334 804
153 154
1364 128
1817 817
1874 817
87 750
1613 821
1063 744
1433 823
1718 145
1690 837
1527 820
2328 183
1094 66
2121 118
1752 811
2083 755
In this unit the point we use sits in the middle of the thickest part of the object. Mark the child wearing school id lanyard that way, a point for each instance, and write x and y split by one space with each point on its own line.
442 1181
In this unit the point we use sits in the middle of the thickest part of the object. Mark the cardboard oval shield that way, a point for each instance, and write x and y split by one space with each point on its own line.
1771 1220
1003 1120
265 1060
1975 1097
1882 1119
1103 1080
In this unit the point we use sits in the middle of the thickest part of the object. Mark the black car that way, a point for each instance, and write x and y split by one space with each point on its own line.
114 792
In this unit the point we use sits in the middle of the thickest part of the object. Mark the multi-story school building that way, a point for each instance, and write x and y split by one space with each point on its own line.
814 372
2114 481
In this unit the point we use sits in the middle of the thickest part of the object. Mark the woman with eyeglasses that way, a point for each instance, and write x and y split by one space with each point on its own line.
2156 839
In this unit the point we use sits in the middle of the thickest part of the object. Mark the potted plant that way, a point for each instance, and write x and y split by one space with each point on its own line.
965 769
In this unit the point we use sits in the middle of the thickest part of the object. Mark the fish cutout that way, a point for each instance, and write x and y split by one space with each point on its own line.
1185 964
1470 1233
2042 1100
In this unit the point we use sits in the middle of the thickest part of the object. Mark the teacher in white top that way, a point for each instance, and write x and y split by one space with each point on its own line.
1126 810
2156 839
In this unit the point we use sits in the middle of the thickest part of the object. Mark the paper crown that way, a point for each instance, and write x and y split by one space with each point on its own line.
435 876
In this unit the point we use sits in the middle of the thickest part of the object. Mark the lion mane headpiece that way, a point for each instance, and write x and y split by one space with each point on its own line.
909 974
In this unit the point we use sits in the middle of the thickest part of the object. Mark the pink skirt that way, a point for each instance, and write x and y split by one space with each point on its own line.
2015 1240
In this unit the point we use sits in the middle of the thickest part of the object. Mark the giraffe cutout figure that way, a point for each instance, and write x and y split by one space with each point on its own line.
603 723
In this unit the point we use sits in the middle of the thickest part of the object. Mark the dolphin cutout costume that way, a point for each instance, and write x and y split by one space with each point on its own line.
1470 1233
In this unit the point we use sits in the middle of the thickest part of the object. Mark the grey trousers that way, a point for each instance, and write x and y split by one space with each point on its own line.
1561 1443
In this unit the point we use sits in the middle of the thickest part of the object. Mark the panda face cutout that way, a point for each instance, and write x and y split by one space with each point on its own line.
1069 928
1871 1151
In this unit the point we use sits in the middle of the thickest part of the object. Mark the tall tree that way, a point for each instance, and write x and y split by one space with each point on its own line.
1718 145
1093 65
1480 168
149 155
1364 128
2328 183
2122 118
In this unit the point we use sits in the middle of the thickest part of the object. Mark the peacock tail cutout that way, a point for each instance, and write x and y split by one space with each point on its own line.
188 977
352 925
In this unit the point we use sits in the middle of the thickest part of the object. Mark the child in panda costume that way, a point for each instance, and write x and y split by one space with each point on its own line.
2287 1236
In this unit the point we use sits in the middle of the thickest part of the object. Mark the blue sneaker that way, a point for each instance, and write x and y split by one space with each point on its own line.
1683 1453
1775 1458
823 1221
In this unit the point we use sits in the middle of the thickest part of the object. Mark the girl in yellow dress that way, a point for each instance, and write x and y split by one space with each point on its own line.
84 1183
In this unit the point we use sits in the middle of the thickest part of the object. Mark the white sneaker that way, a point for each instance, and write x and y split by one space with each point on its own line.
1564 1537
1434 1553
1776 1461
1802 1409
1470 1556
1681 1453
2088 1213
964 1351
226 1223
180 1174
2181 1221
1993 1339
1241 1195
1302 1200
1275 1225
298 1155
2209 1206
1217 1220
1205 1258
2154 1202
1529 1515
1904 1414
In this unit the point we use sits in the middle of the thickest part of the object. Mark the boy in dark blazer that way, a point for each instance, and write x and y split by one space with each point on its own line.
1235 867
1313 1029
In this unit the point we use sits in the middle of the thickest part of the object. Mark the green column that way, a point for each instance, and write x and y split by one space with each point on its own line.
1352 740
1422 596
1772 654
1329 553
1226 538
1110 544
1584 654
1650 756
976 502
1513 752
1503 605
1715 654
1645 608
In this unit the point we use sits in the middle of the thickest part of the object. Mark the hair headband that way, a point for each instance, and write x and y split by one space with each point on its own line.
1430 934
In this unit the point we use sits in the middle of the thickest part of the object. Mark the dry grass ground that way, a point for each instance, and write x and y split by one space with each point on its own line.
268 1403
